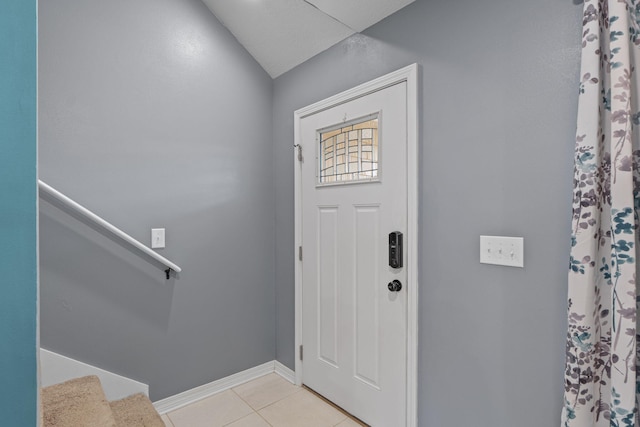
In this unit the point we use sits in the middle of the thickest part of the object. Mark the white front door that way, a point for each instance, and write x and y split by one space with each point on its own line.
353 195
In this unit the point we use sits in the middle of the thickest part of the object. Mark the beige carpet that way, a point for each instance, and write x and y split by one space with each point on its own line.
76 403
136 411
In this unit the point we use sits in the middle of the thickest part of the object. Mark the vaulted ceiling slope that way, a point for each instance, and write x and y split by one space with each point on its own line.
281 34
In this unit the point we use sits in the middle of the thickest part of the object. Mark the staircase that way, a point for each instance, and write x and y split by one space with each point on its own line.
81 402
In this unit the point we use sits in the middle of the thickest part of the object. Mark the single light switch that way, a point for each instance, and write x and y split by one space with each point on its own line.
157 238
500 250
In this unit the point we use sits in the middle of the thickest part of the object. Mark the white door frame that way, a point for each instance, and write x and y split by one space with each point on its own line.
409 75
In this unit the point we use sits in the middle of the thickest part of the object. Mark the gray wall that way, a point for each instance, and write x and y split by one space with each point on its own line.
152 115
499 93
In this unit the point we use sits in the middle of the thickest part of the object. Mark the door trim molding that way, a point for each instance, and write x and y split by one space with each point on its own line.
409 75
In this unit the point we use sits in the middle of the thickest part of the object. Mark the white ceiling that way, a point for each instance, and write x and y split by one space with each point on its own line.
281 34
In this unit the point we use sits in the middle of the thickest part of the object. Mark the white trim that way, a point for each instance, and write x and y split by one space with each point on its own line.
297 195
190 396
284 372
56 368
407 74
413 179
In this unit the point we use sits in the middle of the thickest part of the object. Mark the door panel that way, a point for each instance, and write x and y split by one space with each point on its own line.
328 285
354 328
367 297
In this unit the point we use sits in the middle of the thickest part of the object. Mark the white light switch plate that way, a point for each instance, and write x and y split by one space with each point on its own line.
157 238
500 250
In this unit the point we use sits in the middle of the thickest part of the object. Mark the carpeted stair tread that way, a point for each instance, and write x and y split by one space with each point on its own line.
136 411
76 403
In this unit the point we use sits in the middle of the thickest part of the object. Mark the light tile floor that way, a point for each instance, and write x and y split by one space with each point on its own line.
267 401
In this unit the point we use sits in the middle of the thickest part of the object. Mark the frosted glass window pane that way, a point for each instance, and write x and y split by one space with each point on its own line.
349 153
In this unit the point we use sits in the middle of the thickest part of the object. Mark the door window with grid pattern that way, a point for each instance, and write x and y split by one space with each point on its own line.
349 152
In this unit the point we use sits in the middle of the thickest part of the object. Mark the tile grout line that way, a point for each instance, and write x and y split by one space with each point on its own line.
321 398
316 396
299 389
255 411
263 418
236 393
170 420
245 402
347 416
279 400
248 415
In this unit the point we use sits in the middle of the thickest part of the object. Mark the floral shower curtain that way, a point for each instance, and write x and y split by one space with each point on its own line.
601 380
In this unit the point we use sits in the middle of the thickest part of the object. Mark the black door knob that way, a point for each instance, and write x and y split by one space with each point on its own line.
395 286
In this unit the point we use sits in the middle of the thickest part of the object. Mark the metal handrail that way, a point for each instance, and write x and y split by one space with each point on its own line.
107 226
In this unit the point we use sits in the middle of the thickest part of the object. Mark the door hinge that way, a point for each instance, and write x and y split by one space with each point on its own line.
299 147
301 352
300 253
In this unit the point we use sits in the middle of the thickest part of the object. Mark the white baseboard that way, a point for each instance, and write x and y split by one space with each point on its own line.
284 372
55 368
188 397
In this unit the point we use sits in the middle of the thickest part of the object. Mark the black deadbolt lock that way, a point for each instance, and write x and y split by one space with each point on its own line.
395 249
